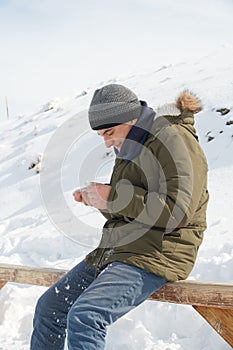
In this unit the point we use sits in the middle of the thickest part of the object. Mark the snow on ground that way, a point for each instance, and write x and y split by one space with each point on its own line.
29 237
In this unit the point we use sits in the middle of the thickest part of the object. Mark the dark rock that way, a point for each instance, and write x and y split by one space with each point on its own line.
32 165
210 138
223 111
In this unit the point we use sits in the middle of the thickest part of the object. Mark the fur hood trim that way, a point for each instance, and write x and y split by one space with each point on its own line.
168 109
187 101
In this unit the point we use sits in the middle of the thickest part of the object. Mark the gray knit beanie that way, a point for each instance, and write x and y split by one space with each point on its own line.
112 105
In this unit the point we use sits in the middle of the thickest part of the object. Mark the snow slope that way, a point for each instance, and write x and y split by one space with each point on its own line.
35 230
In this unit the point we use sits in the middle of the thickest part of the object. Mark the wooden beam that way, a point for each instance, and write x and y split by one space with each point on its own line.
216 295
29 275
220 319
182 292
2 284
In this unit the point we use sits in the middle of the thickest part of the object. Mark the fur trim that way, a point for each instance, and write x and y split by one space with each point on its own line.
187 101
168 109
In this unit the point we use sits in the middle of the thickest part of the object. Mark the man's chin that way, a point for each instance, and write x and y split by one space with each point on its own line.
118 147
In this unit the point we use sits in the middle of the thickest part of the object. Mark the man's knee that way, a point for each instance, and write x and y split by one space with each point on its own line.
87 315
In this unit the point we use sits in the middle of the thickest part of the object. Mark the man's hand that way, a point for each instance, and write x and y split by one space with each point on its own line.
78 196
95 195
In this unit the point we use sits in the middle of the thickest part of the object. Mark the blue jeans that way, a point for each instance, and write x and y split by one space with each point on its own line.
84 305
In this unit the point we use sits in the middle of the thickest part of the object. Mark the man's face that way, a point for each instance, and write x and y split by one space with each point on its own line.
115 136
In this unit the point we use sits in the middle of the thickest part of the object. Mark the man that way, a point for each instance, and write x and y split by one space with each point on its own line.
155 206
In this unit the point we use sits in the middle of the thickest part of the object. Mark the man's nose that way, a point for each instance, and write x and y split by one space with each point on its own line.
108 141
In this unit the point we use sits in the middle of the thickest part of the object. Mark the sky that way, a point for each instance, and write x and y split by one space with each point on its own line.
57 48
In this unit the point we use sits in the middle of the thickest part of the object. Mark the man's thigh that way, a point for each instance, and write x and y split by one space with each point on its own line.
117 289
61 296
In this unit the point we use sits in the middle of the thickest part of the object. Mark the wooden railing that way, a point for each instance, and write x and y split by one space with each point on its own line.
214 301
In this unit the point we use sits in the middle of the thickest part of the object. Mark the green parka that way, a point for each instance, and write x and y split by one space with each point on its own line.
157 204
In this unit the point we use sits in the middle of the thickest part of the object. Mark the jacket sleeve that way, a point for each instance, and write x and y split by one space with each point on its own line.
180 186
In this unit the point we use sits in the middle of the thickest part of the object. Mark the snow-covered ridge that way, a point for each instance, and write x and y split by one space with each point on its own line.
29 238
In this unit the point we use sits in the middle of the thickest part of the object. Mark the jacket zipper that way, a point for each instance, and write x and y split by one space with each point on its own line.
98 264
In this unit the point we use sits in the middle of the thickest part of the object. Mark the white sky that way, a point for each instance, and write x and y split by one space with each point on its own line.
55 48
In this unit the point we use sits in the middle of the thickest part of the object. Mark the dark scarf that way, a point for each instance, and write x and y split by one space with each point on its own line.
138 134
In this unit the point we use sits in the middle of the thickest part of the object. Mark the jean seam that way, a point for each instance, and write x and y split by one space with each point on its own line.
129 290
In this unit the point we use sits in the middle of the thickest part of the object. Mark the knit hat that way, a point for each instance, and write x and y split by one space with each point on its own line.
112 105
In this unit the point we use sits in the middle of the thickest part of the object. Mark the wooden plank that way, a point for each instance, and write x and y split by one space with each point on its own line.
196 293
182 292
220 319
2 283
29 275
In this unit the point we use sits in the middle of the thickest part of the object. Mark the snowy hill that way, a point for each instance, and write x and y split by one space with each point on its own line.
33 233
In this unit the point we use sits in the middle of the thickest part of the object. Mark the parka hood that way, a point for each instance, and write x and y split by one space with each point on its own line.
185 102
168 109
